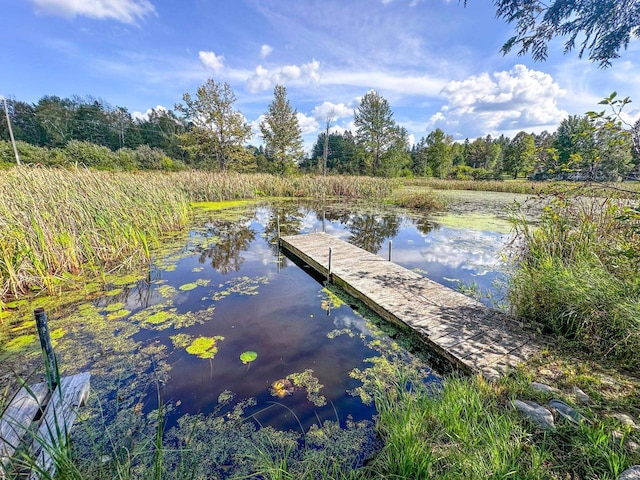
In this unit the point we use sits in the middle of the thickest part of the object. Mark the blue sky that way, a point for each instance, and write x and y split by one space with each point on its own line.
438 63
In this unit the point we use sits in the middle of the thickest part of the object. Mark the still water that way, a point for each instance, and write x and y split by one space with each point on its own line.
178 336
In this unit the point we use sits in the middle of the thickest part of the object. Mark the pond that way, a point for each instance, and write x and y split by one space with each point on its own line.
224 324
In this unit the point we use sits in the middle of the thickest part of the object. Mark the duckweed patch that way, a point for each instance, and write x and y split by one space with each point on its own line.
19 343
241 286
330 301
129 279
167 291
193 285
118 314
224 205
114 307
307 381
164 315
475 221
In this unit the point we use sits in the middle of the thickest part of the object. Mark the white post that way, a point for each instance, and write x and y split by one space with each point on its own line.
13 142
329 268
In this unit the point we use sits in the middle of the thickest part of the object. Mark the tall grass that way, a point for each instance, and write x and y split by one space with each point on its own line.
212 186
57 223
524 187
578 273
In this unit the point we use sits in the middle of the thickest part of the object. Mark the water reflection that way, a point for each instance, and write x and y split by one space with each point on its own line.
231 239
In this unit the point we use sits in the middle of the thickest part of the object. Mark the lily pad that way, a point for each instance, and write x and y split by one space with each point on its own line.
281 388
204 347
248 356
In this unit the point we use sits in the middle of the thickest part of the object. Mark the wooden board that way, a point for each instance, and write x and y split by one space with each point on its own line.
460 329
53 433
17 419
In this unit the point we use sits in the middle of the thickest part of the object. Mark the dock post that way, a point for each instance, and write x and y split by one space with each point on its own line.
278 224
51 364
329 267
390 244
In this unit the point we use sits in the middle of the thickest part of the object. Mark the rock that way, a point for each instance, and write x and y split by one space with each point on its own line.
567 412
631 473
541 387
625 419
581 396
536 413
633 446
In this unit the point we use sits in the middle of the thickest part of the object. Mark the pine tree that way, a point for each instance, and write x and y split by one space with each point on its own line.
282 134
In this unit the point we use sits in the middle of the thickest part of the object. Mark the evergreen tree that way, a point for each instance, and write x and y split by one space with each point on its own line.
282 135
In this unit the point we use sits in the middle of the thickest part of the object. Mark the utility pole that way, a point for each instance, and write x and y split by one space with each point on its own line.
325 150
13 141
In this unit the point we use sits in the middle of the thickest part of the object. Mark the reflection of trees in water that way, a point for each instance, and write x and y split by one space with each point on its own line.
425 225
289 217
233 237
368 231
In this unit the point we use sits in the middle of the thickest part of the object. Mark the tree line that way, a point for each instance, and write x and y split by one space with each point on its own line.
206 131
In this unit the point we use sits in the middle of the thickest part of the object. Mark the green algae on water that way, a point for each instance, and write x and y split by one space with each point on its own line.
241 285
204 347
307 381
118 314
19 343
198 283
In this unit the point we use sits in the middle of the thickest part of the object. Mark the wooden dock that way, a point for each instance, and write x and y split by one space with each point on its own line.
43 419
468 334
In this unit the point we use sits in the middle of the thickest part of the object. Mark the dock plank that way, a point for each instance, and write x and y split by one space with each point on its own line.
461 329
17 418
58 419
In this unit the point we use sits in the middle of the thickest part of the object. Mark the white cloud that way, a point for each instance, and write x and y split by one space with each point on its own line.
212 61
265 50
331 110
504 102
145 115
263 79
386 82
126 11
307 124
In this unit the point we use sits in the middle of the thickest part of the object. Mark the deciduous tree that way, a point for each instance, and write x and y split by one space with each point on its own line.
217 131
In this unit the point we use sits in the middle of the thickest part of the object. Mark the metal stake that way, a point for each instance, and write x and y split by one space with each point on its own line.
51 364
390 245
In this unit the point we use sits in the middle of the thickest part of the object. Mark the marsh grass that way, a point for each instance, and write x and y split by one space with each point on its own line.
60 225
509 186
426 201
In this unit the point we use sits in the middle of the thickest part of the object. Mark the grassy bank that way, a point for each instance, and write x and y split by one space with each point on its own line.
577 273
61 223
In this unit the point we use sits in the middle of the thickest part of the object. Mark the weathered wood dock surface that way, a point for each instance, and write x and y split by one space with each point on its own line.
470 335
48 417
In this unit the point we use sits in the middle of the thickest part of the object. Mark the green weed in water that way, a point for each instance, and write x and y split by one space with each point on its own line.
204 347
